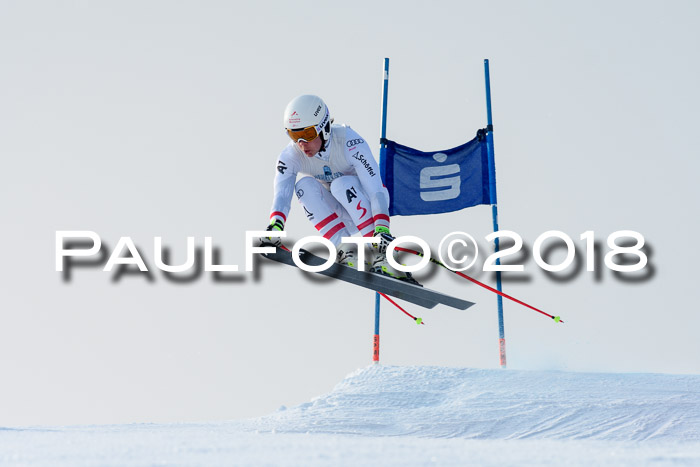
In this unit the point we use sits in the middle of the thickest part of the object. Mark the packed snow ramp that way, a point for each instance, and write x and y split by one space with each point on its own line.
439 402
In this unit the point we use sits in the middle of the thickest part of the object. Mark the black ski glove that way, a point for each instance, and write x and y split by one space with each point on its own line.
277 225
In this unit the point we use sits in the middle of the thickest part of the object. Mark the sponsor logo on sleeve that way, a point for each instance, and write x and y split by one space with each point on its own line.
354 142
365 163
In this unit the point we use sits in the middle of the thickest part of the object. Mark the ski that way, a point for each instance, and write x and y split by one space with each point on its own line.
412 293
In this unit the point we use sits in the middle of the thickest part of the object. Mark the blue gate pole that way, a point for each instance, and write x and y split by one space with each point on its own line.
382 166
494 213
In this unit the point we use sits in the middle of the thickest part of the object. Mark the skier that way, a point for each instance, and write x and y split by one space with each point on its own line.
340 188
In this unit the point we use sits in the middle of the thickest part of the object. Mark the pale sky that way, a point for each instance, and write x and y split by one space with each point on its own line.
165 119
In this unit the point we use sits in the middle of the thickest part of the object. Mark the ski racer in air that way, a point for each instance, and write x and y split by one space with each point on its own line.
336 179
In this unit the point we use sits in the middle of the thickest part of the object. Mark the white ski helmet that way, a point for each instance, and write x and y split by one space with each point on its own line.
307 111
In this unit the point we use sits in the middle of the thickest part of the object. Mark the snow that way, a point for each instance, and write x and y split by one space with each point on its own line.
387 415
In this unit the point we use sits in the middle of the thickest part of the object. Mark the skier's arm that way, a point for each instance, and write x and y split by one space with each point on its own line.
361 158
285 178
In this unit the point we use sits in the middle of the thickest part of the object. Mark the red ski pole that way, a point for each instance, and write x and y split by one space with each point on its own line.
556 319
417 320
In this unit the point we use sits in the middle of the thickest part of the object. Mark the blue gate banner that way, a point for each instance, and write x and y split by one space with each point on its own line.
438 181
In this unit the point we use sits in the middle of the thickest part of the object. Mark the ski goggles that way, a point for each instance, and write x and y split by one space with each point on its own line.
307 134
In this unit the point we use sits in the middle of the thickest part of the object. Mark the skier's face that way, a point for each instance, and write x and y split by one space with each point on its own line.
310 148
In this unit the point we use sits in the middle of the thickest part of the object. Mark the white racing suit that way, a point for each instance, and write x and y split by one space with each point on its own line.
340 188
